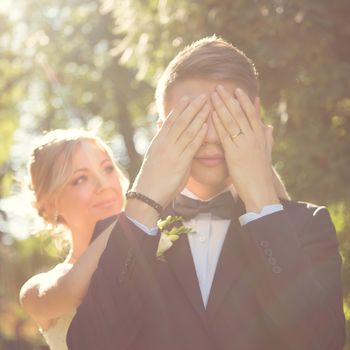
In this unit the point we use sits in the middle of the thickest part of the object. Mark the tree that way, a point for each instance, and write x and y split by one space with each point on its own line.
12 90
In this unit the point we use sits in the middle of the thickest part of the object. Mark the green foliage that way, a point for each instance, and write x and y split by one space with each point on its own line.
19 260
301 52
11 72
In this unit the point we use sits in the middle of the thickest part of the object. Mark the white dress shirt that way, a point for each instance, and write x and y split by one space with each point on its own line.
207 241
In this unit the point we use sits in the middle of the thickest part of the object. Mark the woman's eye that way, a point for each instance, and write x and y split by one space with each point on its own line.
79 180
109 169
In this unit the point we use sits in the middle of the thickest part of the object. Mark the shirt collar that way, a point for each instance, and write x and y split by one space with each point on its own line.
186 192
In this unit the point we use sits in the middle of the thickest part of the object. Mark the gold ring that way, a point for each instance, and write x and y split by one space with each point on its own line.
237 134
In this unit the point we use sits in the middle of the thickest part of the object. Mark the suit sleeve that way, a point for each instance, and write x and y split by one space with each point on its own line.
297 277
101 226
110 315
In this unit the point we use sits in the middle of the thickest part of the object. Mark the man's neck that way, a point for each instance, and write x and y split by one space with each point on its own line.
205 192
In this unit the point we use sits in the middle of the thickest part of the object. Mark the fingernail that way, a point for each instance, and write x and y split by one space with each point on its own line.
220 88
238 91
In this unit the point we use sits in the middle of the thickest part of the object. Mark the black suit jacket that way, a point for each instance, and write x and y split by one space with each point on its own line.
277 286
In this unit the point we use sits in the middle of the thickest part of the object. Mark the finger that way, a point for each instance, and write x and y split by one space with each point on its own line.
250 111
192 148
225 115
193 128
173 115
224 136
187 115
235 109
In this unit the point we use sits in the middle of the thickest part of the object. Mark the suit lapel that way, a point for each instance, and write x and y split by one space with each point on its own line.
231 267
180 261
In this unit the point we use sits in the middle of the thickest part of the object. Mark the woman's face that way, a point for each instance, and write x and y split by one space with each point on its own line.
93 191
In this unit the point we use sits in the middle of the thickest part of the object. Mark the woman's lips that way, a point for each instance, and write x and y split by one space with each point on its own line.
105 204
210 161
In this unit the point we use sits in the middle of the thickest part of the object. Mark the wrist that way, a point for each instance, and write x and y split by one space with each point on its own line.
257 200
142 212
153 194
145 199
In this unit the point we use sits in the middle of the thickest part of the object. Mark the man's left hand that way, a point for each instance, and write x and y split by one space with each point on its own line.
244 139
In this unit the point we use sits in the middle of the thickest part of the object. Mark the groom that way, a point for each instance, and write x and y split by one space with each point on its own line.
260 272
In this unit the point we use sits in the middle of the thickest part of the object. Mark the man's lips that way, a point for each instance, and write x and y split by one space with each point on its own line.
105 204
210 160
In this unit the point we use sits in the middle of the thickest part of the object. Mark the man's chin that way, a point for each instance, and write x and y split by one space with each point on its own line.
206 187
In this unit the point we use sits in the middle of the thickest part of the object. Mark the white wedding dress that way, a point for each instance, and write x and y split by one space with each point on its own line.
55 335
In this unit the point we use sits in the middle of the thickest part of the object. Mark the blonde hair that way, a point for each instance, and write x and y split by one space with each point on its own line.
210 58
50 165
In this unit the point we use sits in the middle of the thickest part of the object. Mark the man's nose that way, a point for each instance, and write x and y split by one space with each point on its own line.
211 135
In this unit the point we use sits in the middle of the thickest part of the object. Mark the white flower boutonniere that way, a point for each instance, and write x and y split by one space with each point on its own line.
171 228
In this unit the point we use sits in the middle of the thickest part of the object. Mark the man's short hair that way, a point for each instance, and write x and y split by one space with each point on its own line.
210 58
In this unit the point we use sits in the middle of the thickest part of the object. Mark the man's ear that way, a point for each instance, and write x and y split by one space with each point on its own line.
257 106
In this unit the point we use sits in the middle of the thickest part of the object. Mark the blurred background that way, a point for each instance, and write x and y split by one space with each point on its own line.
90 64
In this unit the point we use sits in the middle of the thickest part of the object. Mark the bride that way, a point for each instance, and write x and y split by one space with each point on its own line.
76 183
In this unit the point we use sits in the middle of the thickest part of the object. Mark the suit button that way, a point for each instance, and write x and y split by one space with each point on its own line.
271 260
276 269
264 244
268 251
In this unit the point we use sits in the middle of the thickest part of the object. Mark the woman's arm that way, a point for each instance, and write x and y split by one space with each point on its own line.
49 295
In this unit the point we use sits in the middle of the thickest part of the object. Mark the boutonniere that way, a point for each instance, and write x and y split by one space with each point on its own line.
171 229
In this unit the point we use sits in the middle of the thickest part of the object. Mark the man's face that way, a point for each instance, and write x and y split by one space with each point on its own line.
209 173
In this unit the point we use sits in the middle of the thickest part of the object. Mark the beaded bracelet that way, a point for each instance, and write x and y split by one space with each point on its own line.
145 199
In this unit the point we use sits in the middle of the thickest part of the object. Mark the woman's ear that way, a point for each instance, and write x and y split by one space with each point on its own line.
50 209
160 122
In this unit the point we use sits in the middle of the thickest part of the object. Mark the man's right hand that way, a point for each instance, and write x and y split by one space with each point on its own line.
167 163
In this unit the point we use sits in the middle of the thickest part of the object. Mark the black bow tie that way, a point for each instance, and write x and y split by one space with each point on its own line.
223 206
